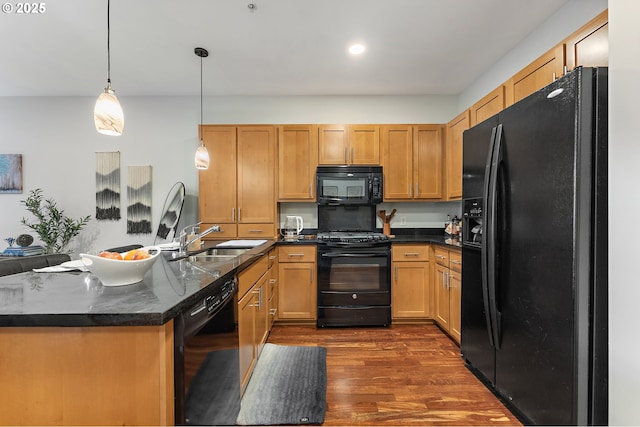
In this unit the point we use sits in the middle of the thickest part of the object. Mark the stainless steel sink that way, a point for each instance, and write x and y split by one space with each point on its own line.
217 254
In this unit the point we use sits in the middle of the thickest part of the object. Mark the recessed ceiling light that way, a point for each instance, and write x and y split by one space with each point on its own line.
356 49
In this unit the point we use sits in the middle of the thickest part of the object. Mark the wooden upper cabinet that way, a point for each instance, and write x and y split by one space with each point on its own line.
488 106
397 161
333 142
453 154
297 161
589 45
364 145
256 174
237 192
217 185
536 75
348 144
427 162
412 162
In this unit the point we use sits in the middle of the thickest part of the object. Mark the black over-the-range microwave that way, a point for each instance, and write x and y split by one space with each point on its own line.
349 185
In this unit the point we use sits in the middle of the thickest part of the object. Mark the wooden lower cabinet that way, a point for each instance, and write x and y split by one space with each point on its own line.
448 290
410 282
98 375
253 315
297 283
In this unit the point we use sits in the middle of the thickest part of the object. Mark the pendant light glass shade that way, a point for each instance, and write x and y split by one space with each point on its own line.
107 114
201 158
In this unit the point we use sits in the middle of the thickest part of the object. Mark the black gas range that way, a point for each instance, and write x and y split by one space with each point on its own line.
354 268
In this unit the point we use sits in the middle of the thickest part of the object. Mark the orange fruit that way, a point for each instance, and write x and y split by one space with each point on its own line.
141 255
135 255
110 255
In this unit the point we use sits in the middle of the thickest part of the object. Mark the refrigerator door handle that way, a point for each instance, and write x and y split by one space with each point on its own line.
485 246
492 238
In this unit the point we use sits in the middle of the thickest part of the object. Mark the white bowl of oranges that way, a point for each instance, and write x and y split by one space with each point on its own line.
118 269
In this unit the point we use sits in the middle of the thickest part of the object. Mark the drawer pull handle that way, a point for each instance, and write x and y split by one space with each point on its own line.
454 261
255 231
291 255
411 254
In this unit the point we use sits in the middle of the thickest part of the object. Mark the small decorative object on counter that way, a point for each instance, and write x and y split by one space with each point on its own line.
10 241
386 221
455 225
24 240
448 228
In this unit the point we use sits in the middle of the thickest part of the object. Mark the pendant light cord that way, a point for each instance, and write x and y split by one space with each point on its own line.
108 43
201 90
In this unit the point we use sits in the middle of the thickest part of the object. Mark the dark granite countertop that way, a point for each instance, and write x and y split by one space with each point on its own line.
80 299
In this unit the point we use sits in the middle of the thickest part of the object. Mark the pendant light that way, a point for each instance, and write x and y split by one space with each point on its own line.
202 155
107 113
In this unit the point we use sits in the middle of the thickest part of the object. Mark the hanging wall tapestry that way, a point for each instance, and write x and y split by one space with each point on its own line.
108 185
10 173
139 199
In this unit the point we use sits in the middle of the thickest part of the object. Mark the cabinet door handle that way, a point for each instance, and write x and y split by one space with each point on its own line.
396 272
310 190
310 276
272 281
410 190
239 214
233 214
351 154
417 191
346 158
272 257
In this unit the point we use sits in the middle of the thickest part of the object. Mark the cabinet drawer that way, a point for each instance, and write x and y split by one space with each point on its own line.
442 256
248 277
409 252
227 231
455 261
297 253
267 230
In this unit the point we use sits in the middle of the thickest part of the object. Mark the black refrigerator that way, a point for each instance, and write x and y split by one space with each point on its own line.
534 252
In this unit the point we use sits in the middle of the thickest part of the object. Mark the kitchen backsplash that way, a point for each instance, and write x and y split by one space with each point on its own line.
408 215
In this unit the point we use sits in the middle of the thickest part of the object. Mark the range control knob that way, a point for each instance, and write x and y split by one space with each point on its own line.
354 296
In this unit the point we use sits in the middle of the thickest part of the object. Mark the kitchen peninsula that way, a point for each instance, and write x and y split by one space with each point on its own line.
75 352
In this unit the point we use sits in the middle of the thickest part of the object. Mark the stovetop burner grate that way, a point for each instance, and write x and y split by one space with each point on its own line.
352 236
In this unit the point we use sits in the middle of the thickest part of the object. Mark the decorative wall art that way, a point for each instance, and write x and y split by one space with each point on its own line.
108 185
139 199
11 173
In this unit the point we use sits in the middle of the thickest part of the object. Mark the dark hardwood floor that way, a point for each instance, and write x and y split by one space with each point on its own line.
401 375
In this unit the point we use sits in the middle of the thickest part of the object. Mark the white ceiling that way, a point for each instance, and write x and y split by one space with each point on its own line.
282 47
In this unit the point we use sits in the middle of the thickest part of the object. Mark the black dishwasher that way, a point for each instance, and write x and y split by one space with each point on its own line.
206 359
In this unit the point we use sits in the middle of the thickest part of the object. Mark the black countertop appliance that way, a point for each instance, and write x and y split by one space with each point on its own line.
534 253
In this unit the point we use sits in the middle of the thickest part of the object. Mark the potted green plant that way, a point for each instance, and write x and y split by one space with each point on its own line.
53 227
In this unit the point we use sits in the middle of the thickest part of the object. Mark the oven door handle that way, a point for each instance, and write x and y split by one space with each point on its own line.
359 255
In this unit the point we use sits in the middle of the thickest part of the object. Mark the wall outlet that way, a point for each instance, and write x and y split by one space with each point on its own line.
403 220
